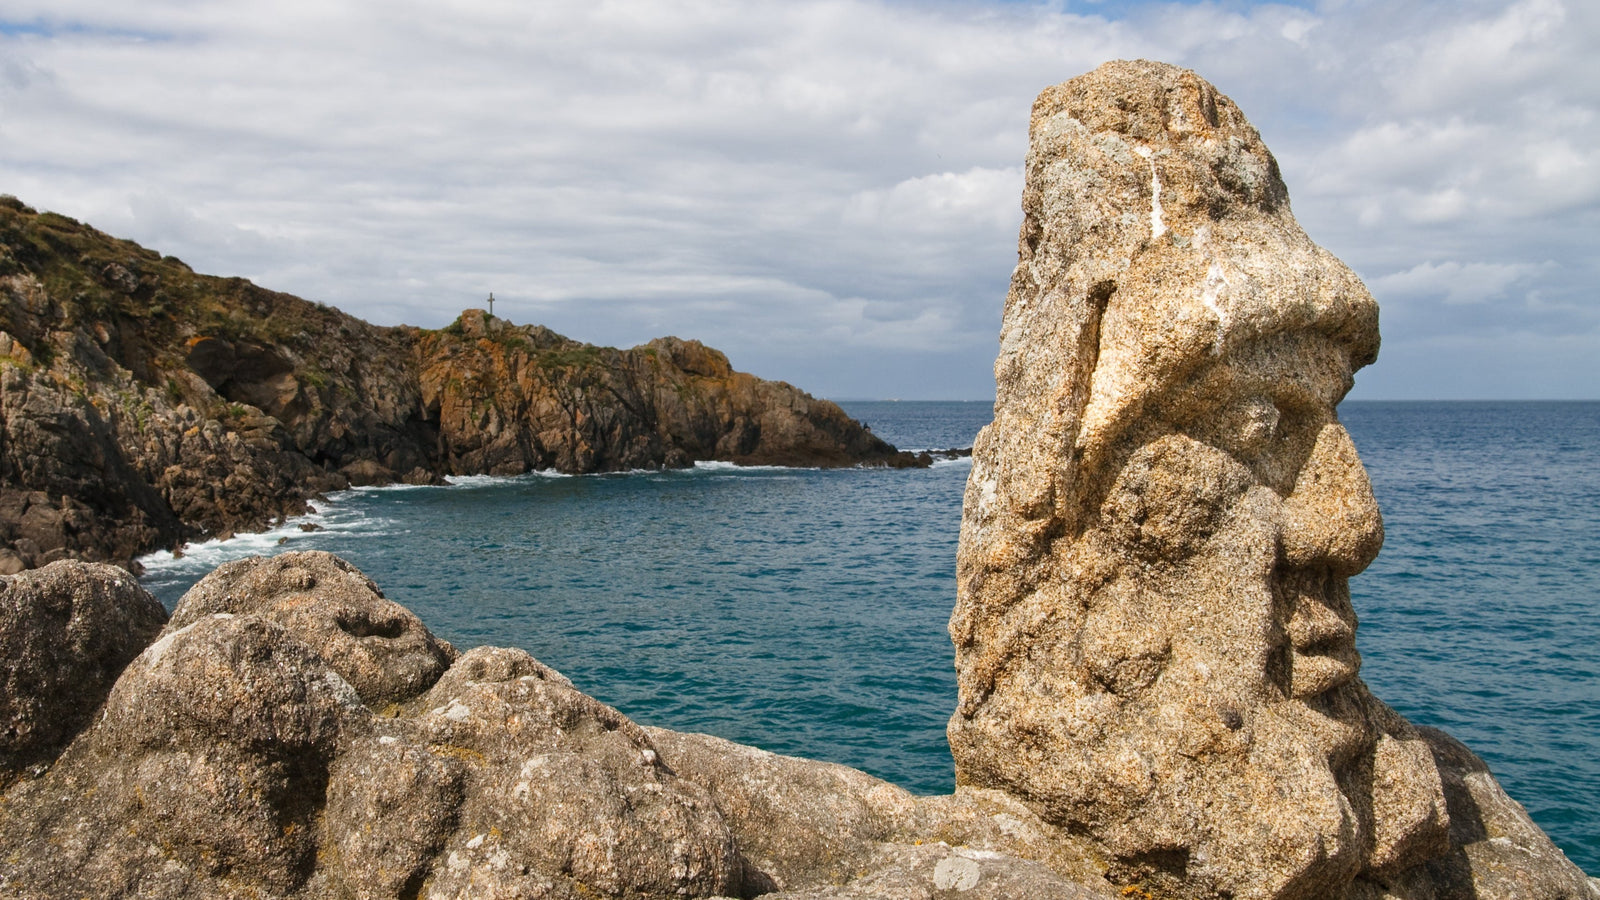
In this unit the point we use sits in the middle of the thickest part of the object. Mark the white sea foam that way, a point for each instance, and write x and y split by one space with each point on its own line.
329 515
722 465
473 481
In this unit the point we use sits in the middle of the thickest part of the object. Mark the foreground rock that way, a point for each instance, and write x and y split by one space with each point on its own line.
142 405
233 757
66 632
292 733
1154 636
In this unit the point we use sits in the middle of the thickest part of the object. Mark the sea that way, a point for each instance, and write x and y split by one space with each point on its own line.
804 611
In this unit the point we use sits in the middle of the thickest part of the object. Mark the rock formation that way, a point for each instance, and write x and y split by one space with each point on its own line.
1158 681
67 632
536 400
1154 636
292 733
142 405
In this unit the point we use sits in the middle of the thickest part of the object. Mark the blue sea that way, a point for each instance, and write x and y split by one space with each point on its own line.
804 611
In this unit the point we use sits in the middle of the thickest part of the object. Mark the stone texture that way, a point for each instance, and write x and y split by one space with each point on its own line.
1154 638
233 759
375 644
203 776
66 632
816 829
941 872
561 788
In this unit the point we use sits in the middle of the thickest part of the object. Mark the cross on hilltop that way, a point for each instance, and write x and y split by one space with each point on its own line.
491 303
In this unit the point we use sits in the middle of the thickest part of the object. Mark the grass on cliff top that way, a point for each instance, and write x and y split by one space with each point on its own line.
546 348
97 278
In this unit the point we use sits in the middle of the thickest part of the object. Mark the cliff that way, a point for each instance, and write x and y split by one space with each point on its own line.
143 405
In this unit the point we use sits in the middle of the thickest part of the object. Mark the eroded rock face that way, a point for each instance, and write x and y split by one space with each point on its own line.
66 632
510 398
377 645
241 754
1154 636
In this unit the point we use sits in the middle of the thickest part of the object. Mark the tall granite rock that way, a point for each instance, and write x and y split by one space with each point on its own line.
1154 636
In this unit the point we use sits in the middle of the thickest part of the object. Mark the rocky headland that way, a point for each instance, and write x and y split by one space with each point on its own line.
1159 694
143 405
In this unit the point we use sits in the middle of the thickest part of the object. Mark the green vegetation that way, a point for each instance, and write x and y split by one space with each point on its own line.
570 357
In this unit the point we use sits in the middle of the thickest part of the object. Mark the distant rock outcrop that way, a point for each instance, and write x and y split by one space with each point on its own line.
142 405
1154 636
508 399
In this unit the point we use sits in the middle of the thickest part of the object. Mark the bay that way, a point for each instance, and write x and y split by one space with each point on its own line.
804 611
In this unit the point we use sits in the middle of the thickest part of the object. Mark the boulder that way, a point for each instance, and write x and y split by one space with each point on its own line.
375 644
562 795
1155 644
203 777
66 632
233 758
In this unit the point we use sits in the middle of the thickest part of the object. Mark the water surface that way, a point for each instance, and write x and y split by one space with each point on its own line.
804 611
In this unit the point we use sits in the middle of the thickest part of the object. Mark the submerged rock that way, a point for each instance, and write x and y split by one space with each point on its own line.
1154 637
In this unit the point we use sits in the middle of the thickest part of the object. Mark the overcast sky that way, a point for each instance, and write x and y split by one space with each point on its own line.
828 190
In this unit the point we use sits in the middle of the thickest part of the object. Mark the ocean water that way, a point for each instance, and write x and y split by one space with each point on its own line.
804 611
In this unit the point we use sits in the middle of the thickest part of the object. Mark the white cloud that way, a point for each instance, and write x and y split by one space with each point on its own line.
980 196
822 187
1456 282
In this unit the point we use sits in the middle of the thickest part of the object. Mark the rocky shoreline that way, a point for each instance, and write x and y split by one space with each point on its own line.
288 732
1159 694
143 405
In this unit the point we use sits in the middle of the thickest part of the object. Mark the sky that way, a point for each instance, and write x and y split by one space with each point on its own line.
826 190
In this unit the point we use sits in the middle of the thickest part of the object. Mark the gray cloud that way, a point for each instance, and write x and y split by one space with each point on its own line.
826 189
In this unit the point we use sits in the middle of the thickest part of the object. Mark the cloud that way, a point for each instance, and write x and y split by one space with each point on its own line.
983 197
1455 282
826 189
